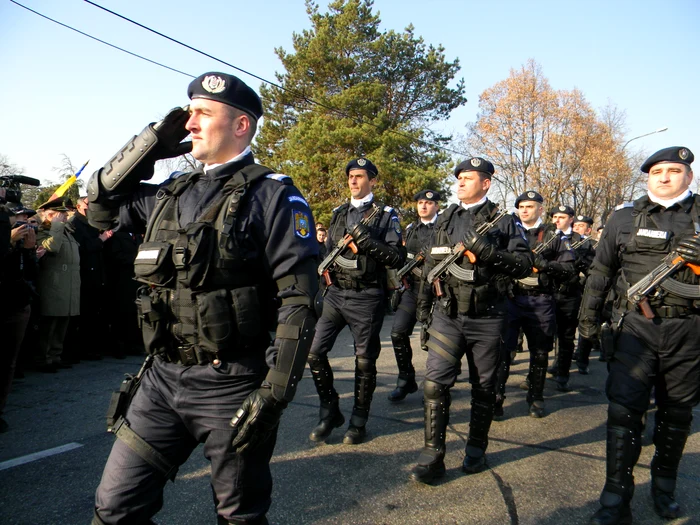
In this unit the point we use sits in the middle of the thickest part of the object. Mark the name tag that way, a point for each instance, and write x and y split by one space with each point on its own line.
440 250
147 255
654 234
409 255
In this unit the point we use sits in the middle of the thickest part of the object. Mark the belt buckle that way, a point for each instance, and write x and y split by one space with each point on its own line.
187 355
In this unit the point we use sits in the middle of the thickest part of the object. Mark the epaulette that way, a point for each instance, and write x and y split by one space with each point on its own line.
285 179
388 209
175 174
338 207
409 226
624 205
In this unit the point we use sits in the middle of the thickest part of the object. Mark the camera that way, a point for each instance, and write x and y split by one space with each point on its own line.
13 188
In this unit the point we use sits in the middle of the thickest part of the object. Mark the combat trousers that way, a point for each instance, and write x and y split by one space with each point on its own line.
567 307
401 330
174 410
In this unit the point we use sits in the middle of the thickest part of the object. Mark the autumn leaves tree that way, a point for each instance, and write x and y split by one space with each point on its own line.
553 142
350 89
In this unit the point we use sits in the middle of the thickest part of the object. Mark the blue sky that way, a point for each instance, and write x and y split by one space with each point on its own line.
66 94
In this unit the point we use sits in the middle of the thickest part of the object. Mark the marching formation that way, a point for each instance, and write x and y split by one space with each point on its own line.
231 255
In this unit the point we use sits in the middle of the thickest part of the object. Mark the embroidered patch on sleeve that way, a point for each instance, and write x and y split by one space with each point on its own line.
302 224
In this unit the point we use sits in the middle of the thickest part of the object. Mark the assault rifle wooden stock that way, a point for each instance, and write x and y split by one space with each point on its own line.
639 294
447 265
346 242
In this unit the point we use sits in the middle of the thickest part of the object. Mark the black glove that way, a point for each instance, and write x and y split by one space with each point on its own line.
689 248
256 420
170 132
589 329
478 245
395 299
360 234
541 264
422 311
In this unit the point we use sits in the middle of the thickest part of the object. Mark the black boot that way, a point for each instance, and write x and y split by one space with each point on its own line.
622 452
670 434
365 383
406 383
538 375
330 416
436 407
479 425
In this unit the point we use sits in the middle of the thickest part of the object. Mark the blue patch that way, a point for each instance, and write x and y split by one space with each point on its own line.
397 224
297 198
302 224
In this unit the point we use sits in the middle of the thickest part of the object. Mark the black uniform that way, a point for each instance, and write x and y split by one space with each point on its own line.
567 299
531 308
355 298
660 353
418 237
585 254
468 318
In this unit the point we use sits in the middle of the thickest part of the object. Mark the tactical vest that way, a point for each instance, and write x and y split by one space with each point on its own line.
206 291
360 270
414 244
648 244
480 290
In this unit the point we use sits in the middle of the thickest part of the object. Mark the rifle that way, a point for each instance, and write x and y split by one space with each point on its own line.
639 294
346 242
532 279
409 266
447 265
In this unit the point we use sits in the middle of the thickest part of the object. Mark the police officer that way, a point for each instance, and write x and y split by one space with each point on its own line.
585 252
355 297
469 313
658 350
229 251
419 235
567 297
531 307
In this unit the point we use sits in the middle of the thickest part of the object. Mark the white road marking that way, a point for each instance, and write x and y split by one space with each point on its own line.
38 455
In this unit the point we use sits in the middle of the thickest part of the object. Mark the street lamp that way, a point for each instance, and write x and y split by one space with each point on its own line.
645 135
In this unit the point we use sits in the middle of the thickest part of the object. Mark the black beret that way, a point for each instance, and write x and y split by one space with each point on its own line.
475 164
674 154
56 205
428 195
584 218
529 196
362 164
226 89
562 209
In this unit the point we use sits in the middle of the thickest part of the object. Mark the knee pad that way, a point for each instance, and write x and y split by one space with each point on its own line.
366 366
539 358
481 395
317 362
675 416
433 390
621 416
398 338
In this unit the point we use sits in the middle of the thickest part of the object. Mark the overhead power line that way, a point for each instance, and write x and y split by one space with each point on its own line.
295 94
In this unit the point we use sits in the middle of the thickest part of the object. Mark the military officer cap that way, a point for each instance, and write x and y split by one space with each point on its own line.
427 195
475 164
362 164
562 209
23 210
673 154
55 204
529 196
584 218
226 89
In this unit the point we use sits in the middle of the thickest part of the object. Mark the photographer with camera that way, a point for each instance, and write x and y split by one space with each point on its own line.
17 269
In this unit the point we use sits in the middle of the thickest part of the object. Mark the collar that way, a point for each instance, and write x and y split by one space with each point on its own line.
431 221
667 203
537 224
474 204
238 157
567 233
358 203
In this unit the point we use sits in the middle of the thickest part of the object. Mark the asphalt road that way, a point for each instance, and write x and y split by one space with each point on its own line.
546 471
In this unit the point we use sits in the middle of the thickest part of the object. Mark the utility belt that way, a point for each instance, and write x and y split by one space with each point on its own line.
345 283
519 289
467 299
192 355
667 311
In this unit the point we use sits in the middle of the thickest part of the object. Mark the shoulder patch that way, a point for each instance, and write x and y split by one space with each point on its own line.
624 205
297 198
278 177
302 224
396 223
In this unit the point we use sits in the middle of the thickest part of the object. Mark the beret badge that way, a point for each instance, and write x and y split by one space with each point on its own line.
213 84
683 153
361 162
476 162
580 217
562 208
531 194
429 195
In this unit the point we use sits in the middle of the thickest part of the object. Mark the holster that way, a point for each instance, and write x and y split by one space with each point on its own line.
607 340
121 399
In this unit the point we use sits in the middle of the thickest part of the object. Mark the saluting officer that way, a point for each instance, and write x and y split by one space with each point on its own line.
659 351
419 236
355 297
567 297
229 252
531 307
469 314
585 252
